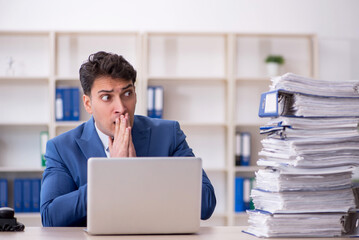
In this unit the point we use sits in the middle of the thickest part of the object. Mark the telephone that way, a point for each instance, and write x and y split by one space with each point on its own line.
8 222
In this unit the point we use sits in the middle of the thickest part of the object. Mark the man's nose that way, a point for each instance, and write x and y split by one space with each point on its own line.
119 107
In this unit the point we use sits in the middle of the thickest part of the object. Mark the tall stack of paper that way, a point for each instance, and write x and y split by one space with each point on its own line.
309 154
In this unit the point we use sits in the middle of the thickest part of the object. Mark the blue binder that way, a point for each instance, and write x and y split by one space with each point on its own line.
155 101
3 193
268 106
75 104
238 195
27 196
18 199
35 201
67 94
243 187
67 104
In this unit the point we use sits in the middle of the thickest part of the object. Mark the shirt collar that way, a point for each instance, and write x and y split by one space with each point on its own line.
104 139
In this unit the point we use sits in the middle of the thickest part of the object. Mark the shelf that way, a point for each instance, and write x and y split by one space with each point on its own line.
276 35
186 79
25 78
67 78
241 219
31 219
201 124
254 79
247 169
28 215
240 214
25 124
189 34
23 170
97 33
219 215
252 124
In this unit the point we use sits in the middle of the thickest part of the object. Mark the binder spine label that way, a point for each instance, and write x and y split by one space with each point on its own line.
158 102
246 149
238 148
59 105
268 104
271 103
150 101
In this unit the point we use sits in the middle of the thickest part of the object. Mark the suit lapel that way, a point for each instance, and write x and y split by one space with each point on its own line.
89 142
141 138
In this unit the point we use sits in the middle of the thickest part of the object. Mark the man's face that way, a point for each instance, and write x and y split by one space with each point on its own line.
110 98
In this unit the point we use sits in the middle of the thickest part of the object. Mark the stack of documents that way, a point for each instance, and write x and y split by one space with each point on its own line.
305 85
293 95
309 155
287 179
340 200
264 224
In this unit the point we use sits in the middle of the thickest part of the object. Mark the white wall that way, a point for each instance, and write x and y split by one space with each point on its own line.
334 21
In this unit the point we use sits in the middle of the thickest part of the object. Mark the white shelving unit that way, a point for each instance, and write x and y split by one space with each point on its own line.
212 83
24 103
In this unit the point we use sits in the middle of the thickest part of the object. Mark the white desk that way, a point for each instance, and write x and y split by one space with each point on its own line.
205 233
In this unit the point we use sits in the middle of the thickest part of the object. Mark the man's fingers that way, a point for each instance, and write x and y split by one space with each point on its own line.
126 138
128 120
121 145
123 126
117 128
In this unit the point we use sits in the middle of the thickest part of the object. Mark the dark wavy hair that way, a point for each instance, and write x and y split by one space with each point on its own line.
103 64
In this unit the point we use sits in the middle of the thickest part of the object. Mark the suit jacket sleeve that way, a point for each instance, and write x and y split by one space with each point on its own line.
65 204
208 195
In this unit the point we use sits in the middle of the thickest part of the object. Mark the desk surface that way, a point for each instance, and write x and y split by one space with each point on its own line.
205 233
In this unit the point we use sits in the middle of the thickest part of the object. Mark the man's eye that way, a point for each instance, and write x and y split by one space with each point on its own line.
105 97
127 94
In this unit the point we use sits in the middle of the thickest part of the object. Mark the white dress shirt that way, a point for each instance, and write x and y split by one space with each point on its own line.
104 140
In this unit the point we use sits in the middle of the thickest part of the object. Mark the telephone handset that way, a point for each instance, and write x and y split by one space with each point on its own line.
8 222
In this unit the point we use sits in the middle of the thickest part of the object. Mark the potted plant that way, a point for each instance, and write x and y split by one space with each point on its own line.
273 63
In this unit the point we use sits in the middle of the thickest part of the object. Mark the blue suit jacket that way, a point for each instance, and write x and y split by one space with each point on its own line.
64 184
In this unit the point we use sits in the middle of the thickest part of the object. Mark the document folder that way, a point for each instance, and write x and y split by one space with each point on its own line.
270 104
295 104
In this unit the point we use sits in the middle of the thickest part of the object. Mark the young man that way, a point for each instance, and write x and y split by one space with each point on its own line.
113 131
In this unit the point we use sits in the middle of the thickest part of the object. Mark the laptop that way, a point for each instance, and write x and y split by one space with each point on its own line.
153 195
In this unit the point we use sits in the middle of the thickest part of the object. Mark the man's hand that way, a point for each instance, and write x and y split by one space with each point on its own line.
121 145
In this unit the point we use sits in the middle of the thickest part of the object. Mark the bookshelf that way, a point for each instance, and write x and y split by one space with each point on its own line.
212 83
24 87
